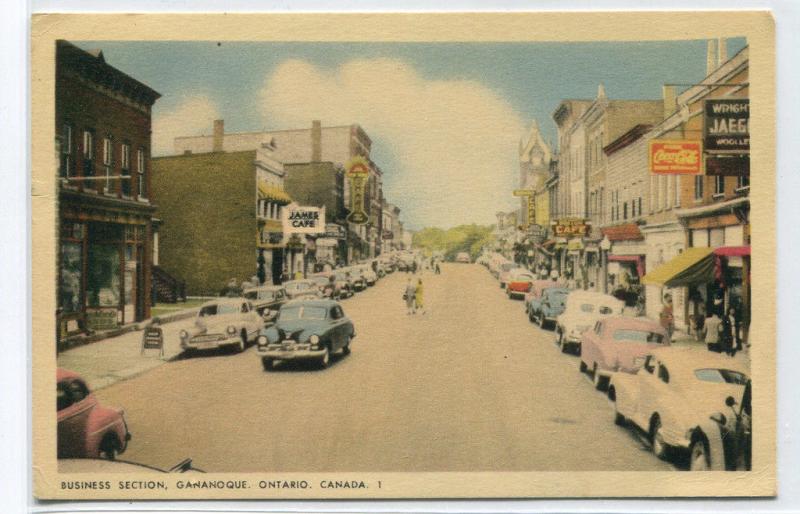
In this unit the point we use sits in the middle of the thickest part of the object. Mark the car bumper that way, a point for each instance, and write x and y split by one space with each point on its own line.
277 352
210 345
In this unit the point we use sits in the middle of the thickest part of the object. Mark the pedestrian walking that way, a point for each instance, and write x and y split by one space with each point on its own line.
437 268
731 339
409 295
418 297
667 317
414 266
712 332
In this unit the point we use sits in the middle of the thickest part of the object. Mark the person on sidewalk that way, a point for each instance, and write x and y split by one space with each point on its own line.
409 297
730 332
419 304
666 317
712 330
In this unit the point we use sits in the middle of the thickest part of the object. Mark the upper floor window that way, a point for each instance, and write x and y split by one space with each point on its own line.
140 169
125 164
742 181
88 153
699 182
719 185
65 165
108 154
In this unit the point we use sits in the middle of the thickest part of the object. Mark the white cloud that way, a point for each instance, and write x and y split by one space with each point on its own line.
193 116
454 141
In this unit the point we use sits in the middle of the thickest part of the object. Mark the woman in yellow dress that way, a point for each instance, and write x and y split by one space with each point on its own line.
418 297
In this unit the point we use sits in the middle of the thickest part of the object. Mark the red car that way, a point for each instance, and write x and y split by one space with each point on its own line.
519 283
86 429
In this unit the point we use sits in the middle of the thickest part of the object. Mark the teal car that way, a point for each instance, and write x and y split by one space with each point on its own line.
545 309
309 330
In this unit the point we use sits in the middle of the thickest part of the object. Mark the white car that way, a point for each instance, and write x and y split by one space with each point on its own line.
508 270
674 392
583 310
227 322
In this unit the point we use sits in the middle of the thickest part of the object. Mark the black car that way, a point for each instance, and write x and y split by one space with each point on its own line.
266 297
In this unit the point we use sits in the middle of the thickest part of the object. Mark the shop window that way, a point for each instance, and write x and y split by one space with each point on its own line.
88 153
639 210
719 186
742 182
108 154
140 170
625 210
65 164
699 181
125 164
69 291
103 280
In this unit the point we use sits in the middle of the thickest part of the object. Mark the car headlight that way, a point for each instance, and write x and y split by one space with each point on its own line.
313 339
262 340
184 334
231 330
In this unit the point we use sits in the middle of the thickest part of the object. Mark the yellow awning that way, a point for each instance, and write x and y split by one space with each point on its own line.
273 193
692 266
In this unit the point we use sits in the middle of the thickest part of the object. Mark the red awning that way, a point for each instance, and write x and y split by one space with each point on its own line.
732 251
636 259
625 232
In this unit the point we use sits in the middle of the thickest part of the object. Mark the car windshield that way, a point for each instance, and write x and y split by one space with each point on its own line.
523 277
302 312
557 296
587 307
216 309
298 286
507 266
638 336
720 376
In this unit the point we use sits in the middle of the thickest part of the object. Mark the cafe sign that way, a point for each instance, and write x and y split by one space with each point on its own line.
570 227
726 126
298 219
675 157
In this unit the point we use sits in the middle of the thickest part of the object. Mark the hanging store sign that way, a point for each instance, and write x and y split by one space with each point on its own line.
675 157
531 210
388 234
570 227
726 126
357 171
334 231
303 220
523 192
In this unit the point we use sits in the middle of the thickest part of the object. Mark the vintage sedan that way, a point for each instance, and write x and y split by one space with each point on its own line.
519 284
619 344
549 306
85 428
226 322
356 279
369 275
583 309
265 297
534 295
306 330
305 288
508 270
673 391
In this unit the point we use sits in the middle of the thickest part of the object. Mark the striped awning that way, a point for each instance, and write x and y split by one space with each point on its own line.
273 194
693 266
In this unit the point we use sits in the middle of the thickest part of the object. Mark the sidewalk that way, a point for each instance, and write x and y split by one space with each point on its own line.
110 360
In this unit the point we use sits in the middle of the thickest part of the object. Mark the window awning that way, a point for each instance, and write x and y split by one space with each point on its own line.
693 266
273 194
625 232
732 251
636 259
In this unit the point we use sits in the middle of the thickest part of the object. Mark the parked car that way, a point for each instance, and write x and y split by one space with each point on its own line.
725 443
227 322
463 257
619 344
534 294
344 284
86 429
583 309
508 270
519 284
674 392
306 330
265 297
546 309
305 288
500 265
369 275
357 280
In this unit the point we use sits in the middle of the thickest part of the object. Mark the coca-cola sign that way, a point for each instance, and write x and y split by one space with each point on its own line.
676 157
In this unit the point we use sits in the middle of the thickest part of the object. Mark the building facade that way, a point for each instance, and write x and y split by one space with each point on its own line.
103 127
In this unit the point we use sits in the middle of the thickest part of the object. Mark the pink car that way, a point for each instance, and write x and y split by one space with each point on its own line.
86 429
619 344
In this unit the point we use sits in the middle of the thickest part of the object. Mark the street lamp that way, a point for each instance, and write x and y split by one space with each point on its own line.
605 246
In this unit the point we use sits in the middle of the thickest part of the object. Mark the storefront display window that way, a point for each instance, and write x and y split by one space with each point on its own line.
103 280
70 286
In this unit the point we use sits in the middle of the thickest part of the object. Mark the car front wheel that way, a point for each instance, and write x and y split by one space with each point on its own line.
268 364
346 346
325 360
109 447
660 448
699 455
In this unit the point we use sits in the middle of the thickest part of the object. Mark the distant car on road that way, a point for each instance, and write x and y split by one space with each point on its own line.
86 429
226 322
463 257
674 392
619 344
583 309
507 271
519 283
545 302
305 288
306 330
265 297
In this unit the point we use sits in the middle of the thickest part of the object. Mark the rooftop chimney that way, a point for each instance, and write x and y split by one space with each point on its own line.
316 141
711 58
668 93
219 134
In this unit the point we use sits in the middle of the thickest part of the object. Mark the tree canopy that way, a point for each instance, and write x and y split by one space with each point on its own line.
463 238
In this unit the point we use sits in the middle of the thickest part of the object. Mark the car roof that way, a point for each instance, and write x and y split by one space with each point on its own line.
263 288
66 374
224 301
322 302
630 322
301 281
689 358
591 296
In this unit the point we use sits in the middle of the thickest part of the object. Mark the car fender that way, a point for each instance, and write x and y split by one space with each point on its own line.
102 421
712 433
625 391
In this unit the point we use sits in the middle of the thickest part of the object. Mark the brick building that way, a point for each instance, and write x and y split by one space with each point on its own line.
103 127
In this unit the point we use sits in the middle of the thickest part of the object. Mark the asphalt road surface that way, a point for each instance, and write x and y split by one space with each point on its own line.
470 385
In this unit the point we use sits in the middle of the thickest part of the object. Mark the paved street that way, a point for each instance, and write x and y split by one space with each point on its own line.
469 386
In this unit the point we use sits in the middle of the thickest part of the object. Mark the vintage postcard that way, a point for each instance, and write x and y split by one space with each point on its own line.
403 255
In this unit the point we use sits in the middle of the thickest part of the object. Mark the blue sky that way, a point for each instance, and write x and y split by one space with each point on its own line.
524 81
